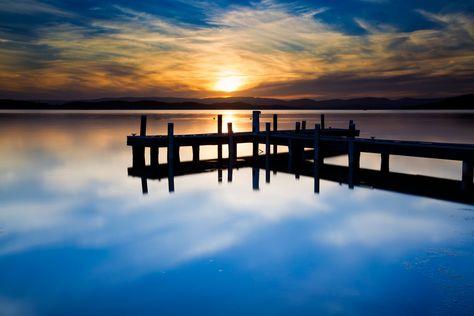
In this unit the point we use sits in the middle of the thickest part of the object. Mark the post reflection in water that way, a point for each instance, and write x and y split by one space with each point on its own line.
425 186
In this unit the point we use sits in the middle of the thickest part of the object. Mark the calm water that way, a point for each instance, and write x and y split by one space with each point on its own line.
77 237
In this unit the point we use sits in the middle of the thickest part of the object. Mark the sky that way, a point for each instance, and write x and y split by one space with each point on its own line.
269 48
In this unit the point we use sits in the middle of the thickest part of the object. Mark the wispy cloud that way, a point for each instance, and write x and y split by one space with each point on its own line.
30 7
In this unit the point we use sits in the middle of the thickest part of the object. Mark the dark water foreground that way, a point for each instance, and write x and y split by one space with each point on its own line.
77 237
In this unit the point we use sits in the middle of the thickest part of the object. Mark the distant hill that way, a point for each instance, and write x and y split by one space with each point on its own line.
465 102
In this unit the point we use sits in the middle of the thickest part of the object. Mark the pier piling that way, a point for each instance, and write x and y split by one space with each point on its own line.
255 130
232 146
196 149
467 174
219 132
275 128
317 156
154 154
143 125
171 149
384 162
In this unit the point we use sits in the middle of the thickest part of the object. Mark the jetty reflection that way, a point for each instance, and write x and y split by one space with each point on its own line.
418 185
307 149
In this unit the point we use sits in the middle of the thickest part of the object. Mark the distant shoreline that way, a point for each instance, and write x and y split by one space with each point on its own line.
465 102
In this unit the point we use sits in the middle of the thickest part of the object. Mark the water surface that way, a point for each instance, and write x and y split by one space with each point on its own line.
78 237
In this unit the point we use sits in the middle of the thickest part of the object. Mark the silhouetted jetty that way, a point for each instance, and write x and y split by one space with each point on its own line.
307 149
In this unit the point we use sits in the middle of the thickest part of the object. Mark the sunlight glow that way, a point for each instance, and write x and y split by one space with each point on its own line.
228 84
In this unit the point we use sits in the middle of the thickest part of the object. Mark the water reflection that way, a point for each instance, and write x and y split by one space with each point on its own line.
74 228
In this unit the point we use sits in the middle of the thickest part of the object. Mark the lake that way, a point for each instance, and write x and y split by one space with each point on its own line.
78 236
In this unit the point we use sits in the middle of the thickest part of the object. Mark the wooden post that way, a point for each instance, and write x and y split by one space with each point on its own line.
143 126
354 161
256 121
255 130
467 174
196 153
171 149
171 158
384 162
219 131
275 128
352 128
303 125
297 127
231 145
322 122
176 154
267 151
138 156
154 156
316 156
232 155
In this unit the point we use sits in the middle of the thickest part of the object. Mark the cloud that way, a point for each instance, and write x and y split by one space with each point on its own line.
31 7
384 230
268 44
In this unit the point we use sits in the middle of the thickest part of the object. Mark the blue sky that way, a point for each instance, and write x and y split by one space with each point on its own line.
268 48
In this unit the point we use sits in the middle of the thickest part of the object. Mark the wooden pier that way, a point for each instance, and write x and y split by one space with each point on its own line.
306 147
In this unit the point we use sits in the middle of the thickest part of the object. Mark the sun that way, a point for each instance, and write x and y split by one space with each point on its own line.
228 84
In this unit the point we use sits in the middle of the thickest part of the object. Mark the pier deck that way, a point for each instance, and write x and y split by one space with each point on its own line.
321 141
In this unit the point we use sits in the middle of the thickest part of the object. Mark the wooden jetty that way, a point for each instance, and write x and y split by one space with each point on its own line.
306 147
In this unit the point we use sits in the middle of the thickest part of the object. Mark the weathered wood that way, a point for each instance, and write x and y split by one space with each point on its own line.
255 130
138 156
267 152
171 147
219 132
256 121
354 161
467 174
291 154
333 141
171 158
352 126
267 139
196 149
275 128
384 162
316 156
232 153
143 125
154 154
